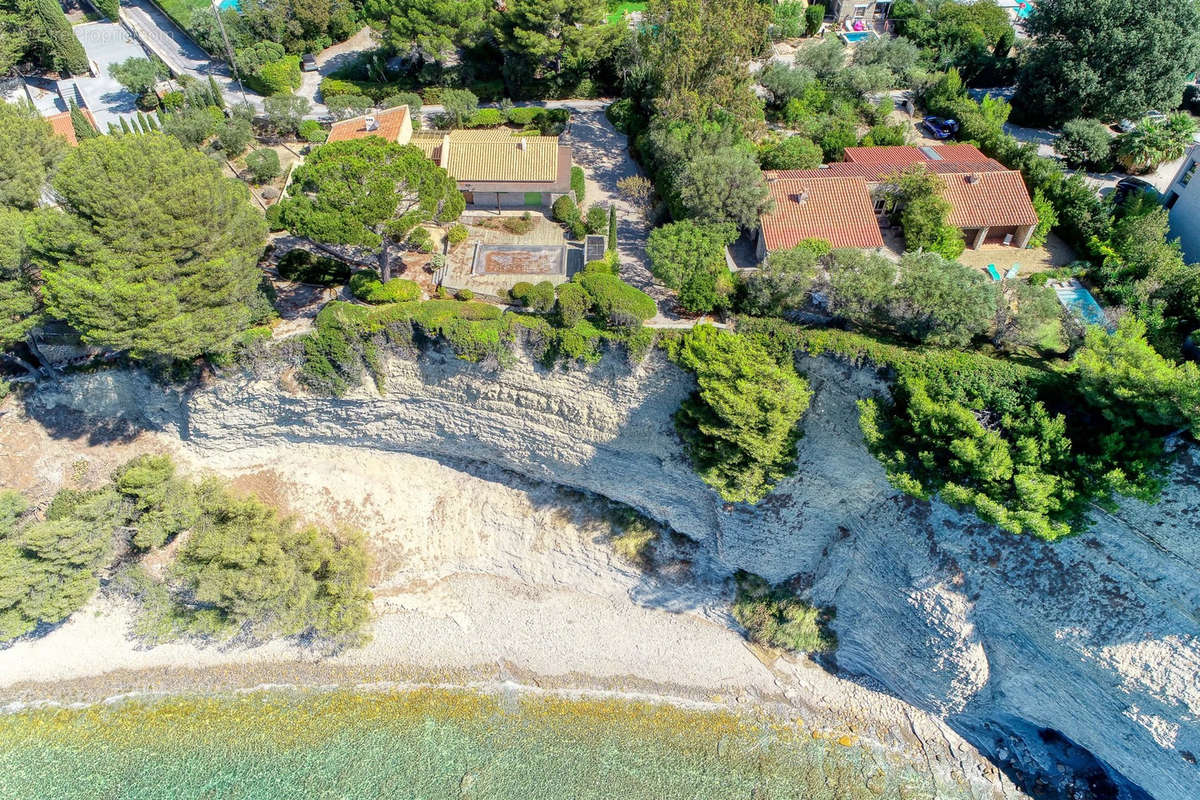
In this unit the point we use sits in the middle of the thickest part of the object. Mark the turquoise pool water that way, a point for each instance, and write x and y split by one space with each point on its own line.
856 36
235 5
1023 9
1080 301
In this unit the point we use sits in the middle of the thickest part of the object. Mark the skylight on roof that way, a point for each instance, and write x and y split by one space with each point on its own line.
931 153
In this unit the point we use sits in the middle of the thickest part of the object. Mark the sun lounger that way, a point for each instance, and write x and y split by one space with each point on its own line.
991 269
1012 273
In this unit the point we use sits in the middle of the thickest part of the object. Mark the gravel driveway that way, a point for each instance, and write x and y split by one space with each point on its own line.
603 153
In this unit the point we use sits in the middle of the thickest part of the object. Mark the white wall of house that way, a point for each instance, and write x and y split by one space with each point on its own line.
1182 200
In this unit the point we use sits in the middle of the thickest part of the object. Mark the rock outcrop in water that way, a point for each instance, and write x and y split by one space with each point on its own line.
1040 654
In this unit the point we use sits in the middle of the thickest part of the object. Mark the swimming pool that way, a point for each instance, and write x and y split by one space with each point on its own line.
856 36
1080 301
235 5
1023 9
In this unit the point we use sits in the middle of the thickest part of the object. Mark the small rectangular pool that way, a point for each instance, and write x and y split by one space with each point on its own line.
850 37
1080 302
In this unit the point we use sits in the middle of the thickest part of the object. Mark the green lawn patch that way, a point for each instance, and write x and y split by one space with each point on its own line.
618 10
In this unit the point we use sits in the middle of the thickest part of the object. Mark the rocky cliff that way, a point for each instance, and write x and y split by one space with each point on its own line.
1043 655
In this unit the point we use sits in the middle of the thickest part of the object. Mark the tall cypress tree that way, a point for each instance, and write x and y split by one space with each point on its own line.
218 99
82 125
125 126
60 48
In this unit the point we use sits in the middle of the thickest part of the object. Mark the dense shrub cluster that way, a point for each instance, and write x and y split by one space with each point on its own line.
1028 448
775 617
690 258
48 567
243 569
366 286
740 427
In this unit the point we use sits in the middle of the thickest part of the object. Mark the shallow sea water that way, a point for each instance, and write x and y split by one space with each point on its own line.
427 743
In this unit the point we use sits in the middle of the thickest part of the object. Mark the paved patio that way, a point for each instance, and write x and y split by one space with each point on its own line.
1055 253
106 43
522 253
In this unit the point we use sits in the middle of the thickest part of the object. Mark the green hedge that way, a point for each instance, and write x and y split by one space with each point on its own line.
366 286
613 297
486 118
578 183
276 77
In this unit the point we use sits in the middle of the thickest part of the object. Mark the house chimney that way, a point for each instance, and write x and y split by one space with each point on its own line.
973 177
801 198
522 144
370 123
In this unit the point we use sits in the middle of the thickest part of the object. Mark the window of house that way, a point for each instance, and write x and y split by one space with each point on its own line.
1172 199
860 12
1189 172
879 203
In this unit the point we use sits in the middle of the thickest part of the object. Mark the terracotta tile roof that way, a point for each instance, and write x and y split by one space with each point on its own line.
874 172
900 155
982 193
62 125
836 209
390 125
501 158
994 199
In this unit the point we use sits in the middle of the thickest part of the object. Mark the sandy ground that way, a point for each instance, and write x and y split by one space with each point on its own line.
480 577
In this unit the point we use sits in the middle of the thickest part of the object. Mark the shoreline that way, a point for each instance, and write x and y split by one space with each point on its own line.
481 578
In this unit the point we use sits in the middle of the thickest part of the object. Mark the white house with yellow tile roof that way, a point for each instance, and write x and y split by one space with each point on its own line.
499 168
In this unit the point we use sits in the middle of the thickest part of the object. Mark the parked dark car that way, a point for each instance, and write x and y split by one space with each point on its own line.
1128 186
939 128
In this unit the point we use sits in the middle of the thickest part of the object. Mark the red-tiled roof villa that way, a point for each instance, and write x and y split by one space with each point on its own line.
839 202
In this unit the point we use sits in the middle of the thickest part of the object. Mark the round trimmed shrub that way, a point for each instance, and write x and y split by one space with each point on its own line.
457 234
263 164
464 294
564 209
520 291
573 304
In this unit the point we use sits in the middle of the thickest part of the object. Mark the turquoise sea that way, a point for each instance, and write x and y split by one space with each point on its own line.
428 743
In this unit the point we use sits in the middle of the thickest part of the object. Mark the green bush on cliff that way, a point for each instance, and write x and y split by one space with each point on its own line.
1021 446
366 286
775 617
740 426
